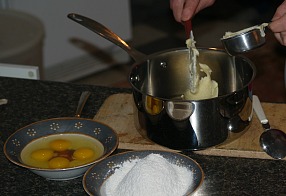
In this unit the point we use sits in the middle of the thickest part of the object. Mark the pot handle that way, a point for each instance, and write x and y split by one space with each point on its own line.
107 34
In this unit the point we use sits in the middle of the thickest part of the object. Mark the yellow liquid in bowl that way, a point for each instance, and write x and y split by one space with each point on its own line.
78 149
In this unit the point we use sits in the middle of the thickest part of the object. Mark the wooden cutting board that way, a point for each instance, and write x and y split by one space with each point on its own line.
117 112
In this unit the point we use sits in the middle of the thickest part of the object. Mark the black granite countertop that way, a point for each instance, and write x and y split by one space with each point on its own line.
30 101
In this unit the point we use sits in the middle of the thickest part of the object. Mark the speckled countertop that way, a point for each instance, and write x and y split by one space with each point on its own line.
30 101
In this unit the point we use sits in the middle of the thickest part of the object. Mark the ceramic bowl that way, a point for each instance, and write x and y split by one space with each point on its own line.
18 140
96 175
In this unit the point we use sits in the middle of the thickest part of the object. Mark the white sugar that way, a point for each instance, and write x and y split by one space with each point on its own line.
152 176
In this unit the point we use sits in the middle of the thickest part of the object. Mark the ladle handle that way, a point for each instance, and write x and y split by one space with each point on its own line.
259 110
82 100
107 34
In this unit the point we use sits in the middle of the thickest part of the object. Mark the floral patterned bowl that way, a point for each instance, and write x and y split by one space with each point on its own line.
18 140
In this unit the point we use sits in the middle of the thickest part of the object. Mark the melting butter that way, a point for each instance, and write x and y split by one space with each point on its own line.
260 27
205 87
193 66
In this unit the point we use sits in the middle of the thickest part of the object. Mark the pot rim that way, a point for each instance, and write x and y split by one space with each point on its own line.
140 61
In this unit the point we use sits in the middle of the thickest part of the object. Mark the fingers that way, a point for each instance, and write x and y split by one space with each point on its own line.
177 7
281 37
280 11
189 10
278 27
184 10
278 24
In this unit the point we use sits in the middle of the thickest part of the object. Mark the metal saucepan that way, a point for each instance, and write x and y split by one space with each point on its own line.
245 40
159 80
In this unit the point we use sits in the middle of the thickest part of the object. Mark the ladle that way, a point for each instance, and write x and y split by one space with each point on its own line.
272 141
107 34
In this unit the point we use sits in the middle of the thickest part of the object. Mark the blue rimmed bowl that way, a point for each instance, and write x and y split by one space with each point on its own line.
96 175
18 140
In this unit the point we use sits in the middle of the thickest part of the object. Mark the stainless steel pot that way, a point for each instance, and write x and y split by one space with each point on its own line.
158 83
159 80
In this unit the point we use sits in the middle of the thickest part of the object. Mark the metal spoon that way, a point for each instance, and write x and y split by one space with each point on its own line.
272 141
82 100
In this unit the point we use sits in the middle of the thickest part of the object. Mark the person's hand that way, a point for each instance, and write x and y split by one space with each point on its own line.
184 10
278 24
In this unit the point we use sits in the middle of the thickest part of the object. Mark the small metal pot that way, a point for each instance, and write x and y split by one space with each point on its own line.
158 83
243 42
159 80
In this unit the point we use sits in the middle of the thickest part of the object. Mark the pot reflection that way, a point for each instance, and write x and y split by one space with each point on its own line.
153 105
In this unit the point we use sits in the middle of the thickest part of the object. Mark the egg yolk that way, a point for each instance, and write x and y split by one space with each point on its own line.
83 153
59 163
60 145
42 154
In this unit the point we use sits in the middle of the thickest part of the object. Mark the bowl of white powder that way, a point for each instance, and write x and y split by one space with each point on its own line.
141 173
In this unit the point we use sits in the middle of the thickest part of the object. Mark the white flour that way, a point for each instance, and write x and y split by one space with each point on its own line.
150 176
